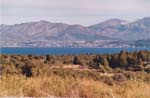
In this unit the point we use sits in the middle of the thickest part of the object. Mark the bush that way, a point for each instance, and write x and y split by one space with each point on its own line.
26 70
119 77
76 60
147 70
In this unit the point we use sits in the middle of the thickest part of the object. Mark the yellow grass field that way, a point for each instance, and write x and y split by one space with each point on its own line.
43 86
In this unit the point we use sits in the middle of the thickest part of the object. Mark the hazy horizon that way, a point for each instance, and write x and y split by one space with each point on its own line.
81 12
128 21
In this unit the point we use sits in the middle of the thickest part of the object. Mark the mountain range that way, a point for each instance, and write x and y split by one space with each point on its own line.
107 30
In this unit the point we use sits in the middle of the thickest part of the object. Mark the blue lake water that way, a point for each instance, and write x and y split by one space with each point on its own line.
65 51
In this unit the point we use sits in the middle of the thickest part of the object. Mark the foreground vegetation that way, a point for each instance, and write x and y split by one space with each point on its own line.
71 87
122 75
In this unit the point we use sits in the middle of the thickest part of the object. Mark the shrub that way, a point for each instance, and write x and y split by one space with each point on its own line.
147 70
76 60
119 77
26 70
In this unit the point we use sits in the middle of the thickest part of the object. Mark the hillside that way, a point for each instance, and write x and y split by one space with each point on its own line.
124 30
44 30
109 29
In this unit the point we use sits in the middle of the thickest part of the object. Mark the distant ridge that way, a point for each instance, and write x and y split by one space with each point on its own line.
107 30
124 30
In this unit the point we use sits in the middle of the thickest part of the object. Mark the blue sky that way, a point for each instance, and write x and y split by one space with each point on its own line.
85 12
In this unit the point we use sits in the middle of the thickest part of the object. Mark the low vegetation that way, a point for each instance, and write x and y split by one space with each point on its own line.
122 75
71 87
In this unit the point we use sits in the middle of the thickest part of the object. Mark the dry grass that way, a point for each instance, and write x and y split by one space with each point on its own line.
70 87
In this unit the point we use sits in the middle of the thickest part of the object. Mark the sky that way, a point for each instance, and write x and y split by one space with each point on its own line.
84 12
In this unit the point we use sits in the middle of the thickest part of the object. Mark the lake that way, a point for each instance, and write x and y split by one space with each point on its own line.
67 51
